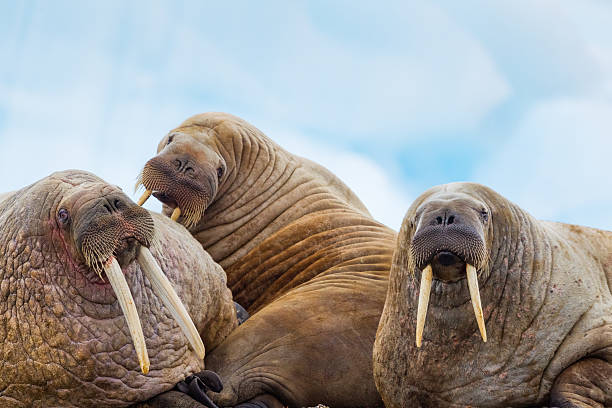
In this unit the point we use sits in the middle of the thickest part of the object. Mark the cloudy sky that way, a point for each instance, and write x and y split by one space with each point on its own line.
393 97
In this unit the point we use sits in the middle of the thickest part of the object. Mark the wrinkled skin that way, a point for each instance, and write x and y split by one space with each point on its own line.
545 290
63 338
301 253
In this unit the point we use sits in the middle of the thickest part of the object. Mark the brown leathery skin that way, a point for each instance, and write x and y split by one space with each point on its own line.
63 338
301 251
312 344
547 306
584 384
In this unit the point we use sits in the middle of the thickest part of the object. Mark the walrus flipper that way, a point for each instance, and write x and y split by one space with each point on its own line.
586 383
189 393
197 385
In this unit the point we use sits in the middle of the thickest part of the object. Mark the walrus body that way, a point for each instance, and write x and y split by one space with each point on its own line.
299 249
545 290
63 336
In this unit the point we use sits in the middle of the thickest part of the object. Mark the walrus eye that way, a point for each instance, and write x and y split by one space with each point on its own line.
170 138
63 216
220 173
484 214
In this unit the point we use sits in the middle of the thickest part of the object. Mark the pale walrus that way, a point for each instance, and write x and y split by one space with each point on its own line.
530 326
87 317
298 247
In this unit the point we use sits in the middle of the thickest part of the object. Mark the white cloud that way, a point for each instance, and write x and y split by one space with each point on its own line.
428 75
281 62
42 136
603 57
558 165
538 46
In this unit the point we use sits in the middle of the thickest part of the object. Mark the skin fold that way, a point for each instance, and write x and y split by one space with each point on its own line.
545 291
64 340
301 253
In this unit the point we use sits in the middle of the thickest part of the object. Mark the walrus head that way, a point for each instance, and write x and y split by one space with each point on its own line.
184 176
449 242
69 244
107 231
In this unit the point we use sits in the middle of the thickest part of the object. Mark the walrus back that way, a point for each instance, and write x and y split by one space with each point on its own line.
323 243
4 196
335 185
592 242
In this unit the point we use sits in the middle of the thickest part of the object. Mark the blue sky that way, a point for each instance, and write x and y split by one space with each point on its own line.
393 97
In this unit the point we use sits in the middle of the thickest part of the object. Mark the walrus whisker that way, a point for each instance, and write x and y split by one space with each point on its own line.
145 196
472 279
162 287
126 301
426 278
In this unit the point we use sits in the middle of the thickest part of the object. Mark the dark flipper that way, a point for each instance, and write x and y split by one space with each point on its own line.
198 384
586 383
189 393
261 401
241 313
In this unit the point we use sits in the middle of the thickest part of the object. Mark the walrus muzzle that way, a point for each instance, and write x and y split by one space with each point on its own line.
181 183
445 251
120 236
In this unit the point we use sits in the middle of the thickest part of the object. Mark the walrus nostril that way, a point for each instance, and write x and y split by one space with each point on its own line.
113 204
451 219
439 220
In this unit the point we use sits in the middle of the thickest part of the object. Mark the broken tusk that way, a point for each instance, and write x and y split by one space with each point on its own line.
124 296
145 196
163 289
472 279
426 277
175 214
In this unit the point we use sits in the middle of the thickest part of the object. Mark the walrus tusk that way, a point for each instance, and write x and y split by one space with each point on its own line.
163 288
426 277
124 296
175 214
145 196
475 295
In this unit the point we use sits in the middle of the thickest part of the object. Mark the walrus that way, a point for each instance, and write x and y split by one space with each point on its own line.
520 310
301 253
101 302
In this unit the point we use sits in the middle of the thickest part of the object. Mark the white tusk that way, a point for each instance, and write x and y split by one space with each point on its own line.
145 196
163 289
426 277
124 296
475 295
175 214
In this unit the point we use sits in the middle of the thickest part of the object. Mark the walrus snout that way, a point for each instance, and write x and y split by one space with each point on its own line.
181 184
449 244
448 249
109 226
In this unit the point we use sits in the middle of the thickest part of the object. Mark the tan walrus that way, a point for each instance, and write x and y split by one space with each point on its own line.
101 302
298 247
520 312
